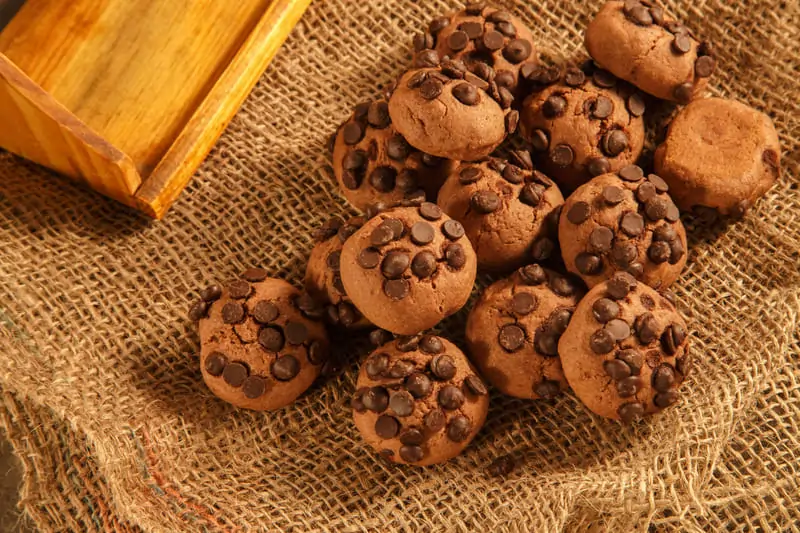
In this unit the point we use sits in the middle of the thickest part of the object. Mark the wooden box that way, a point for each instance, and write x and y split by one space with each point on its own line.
129 96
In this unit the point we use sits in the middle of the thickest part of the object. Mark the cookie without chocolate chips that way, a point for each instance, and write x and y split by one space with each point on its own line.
452 113
625 351
259 349
373 163
719 154
492 44
323 281
638 42
514 329
504 207
408 268
588 124
419 401
623 222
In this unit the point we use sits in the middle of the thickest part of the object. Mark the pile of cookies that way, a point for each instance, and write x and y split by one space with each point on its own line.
585 226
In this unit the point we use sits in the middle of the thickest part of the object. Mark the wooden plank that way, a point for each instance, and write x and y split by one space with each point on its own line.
39 128
212 116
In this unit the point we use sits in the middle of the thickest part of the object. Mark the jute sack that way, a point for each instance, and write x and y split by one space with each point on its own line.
103 398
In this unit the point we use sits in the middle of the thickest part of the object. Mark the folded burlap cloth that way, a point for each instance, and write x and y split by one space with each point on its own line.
103 398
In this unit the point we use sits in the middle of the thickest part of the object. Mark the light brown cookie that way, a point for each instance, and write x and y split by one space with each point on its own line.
504 207
419 401
588 124
481 37
322 280
373 163
639 43
450 112
514 328
408 268
623 222
259 350
719 154
625 351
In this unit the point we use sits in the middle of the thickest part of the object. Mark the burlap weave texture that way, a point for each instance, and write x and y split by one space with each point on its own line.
104 401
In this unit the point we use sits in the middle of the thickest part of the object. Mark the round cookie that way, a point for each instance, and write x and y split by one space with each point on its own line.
408 268
481 37
259 349
588 124
623 222
514 328
373 163
504 207
719 154
323 281
419 401
450 112
625 351
637 42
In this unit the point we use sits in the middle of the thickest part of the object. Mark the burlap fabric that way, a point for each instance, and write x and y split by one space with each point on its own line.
104 402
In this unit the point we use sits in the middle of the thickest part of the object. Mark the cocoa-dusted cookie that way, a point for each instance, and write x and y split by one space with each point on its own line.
450 112
373 163
639 43
481 37
419 401
408 268
719 154
588 124
623 222
323 281
625 351
260 350
504 207
514 328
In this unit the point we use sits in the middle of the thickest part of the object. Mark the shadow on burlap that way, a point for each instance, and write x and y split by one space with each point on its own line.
104 402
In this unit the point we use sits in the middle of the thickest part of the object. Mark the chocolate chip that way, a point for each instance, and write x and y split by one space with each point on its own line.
683 93
574 77
600 240
419 385
353 132
469 175
235 374
629 386
672 338
395 264
264 312
681 43
387 427
499 16
618 370
588 264
653 359
603 78
416 80
355 160
233 313
475 385
473 29
211 293
506 97
477 81
559 320
539 140
517 51
378 115
434 420
493 40
656 208
254 275
531 194
512 121
579 213
562 286
597 166
704 66
411 453
466 93
376 399
443 367
658 182
605 310
453 229
422 233
676 250
533 274
664 233
632 224
431 88
673 214
427 59
543 249
602 108
503 466
562 155
402 403
423 41
632 359
254 386
382 235
513 174
636 105
396 289
554 107
646 328
645 192
438 24
296 333
369 258
658 252
612 195
376 365
450 397
601 341
619 329
317 353
639 15
630 412
430 211
624 254
663 378
408 343
620 285
215 363
424 264
455 256
523 303
459 428
475 8
511 337
357 401
615 142
485 202
665 399
239 289
199 310
505 78
631 173
454 68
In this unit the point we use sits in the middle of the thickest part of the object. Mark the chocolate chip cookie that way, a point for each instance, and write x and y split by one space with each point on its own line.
625 351
448 111
639 43
323 280
373 163
588 124
419 401
485 39
408 268
260 350
623 222
719 154
504 207
514 329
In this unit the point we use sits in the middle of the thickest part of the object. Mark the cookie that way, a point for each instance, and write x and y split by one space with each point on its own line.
419 401
514 329
504 207
625 351
450 112
323 280
373 163
719 154
623 222
639 43
259 350
408 268
481 37
588 124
